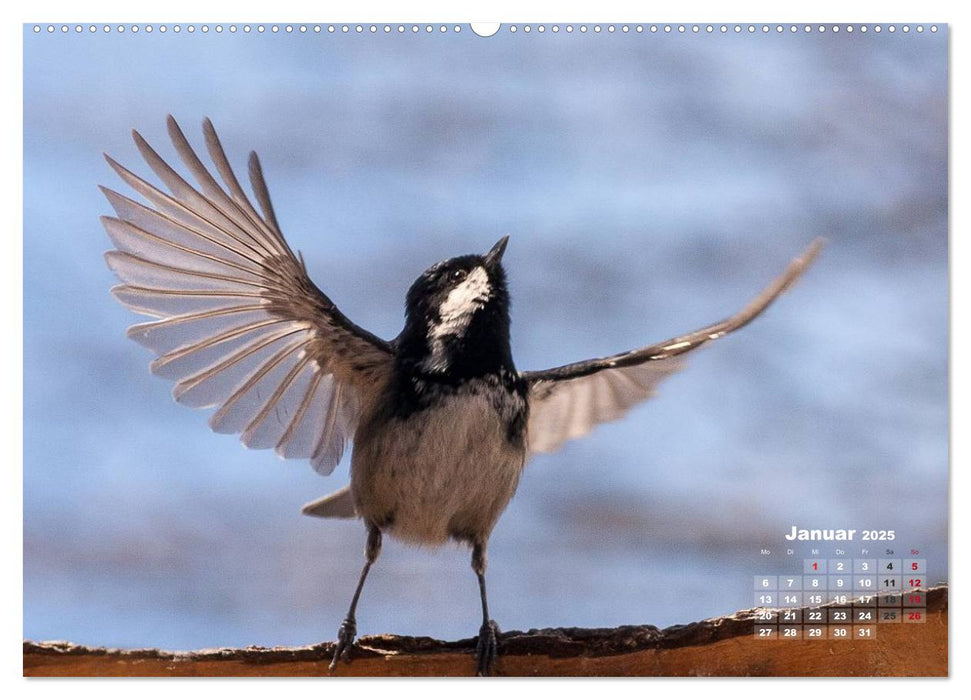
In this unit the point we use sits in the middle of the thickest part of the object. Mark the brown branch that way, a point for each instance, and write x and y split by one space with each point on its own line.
724 646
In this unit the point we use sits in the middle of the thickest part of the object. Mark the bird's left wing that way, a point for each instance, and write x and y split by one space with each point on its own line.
240 325
567 402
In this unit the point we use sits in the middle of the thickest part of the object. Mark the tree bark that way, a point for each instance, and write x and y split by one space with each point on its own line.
724 646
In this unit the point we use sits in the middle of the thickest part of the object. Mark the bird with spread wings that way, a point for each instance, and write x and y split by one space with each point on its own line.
241 327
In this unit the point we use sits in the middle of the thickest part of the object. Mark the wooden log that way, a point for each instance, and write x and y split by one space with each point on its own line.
724 646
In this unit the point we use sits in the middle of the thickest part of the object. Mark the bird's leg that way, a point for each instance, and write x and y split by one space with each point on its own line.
348 628
487 648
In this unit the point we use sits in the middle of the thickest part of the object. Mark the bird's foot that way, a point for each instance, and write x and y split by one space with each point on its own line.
345 639
487 649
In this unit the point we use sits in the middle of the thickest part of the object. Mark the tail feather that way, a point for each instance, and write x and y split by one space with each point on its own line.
339 504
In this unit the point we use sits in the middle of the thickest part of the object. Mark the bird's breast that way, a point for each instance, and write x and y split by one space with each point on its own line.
444 470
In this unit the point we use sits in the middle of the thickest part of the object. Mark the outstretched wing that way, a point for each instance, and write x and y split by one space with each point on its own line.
239 326
567 402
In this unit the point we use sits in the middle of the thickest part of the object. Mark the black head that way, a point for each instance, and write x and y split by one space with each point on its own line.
457 317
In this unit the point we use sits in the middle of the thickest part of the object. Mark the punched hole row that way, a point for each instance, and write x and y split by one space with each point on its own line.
513 28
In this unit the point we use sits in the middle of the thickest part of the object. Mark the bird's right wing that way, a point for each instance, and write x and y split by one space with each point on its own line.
568 402
240 326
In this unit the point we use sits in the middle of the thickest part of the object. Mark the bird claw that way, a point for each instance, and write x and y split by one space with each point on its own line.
486 649
345 640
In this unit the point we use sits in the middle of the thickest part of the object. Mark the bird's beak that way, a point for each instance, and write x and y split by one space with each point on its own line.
494 256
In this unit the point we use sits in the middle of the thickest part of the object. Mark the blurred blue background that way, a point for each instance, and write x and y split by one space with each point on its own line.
650 183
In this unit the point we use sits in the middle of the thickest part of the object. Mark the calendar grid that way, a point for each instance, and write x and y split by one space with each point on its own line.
840 599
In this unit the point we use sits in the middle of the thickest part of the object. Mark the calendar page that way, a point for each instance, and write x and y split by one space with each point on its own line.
603 348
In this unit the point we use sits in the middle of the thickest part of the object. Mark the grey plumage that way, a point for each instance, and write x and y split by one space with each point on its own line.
446 471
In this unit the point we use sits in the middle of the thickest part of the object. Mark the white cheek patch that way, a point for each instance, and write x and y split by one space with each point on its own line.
466 298
455 314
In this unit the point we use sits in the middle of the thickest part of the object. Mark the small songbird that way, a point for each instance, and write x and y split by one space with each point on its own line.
441 420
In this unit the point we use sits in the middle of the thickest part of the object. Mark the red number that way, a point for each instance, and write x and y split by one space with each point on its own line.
915 616
915 582
815 566
913 566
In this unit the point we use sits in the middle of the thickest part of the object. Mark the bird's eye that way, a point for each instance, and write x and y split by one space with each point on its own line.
457 275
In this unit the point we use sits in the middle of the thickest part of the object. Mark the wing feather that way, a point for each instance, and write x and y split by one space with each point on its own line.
568 402
262 192
238 411
238 324
164 227
239 197
162 303
266 429
330 442
191 219
213 385
299 437
205 209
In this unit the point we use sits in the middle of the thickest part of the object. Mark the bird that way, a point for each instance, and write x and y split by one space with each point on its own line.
441 421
